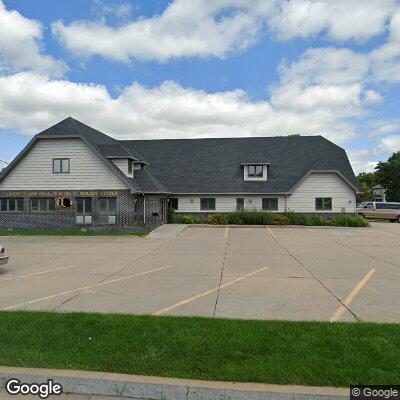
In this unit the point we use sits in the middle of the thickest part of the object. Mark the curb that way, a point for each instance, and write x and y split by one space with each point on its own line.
276 226
157 388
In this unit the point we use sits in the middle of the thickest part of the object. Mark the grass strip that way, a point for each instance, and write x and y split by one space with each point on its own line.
280 352
66 233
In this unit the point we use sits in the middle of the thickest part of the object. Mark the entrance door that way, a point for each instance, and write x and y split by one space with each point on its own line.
83 210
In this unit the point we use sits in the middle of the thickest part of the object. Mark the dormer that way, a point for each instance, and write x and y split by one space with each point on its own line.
255 171
125 164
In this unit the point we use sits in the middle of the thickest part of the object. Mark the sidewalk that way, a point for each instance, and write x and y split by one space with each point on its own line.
157 388
167 231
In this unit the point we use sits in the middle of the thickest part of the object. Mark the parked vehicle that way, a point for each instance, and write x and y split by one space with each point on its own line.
379 209
3 257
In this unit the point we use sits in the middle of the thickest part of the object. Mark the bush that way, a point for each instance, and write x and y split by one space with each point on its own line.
217 219
317 220
191 219
171 217
280 219
349 220
267 218
296 219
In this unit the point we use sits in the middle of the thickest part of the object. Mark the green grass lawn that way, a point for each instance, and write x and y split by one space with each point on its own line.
66 233
304 353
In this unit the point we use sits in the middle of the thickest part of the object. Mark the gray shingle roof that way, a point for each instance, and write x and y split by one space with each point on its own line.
211 165
214 165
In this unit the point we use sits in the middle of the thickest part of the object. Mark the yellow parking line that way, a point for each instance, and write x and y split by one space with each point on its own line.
226 234
83 288
198 296
37 273
351 296
272 234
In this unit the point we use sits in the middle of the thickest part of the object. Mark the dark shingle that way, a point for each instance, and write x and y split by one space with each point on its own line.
213 165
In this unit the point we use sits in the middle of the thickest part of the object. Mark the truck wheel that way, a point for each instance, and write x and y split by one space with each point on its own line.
398 219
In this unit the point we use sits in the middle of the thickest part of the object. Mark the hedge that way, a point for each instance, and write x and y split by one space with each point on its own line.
267 218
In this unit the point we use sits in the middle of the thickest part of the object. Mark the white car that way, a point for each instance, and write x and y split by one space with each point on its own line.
3 257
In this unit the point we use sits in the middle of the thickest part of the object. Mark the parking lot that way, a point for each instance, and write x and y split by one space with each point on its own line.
334 274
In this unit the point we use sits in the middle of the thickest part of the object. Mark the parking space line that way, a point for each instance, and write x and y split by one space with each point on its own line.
346 303
83 288
37 273
198 296
272 234
226 234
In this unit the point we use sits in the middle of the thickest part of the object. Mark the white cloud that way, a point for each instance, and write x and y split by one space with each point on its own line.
390 144
363 160
30 102
185 29
340 19
20 45
119 10
198 28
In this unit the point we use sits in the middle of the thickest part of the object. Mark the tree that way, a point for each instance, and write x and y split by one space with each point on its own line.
388 175
367 181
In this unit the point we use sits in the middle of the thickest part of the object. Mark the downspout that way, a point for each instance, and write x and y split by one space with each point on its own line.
285 202
144 209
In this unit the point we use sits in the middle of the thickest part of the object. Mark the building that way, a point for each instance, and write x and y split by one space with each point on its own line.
378 193
71 176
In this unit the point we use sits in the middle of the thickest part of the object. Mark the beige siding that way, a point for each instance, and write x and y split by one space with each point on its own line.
87 170
122 164
226 203
322 184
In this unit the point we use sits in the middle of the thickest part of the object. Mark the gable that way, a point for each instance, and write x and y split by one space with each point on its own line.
87 170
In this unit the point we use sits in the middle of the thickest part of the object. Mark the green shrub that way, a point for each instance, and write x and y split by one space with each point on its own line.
296 219
349 220
171 217
217 219
234 219
267 218
280 219
191 219
317 220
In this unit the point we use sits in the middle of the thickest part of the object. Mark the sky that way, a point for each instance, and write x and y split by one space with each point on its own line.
204 68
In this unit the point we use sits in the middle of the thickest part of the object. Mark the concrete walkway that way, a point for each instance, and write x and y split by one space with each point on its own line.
167 231
92 384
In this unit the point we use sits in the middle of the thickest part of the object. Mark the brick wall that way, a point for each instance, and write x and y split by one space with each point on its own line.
129 216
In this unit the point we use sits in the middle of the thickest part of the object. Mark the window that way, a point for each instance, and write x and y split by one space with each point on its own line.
323 204
108 210
64 202
42 205
12 204
60 165
83 210
239 203
387 206
173 203
207 203
255 171
136 166
130 167
270 204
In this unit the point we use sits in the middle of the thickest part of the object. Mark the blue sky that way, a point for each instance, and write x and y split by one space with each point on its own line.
221 68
